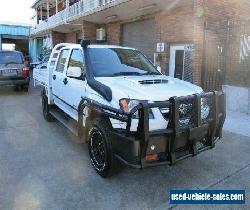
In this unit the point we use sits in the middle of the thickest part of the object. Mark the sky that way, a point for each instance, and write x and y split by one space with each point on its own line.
16 11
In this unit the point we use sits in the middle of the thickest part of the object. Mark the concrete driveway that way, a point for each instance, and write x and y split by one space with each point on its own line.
43 167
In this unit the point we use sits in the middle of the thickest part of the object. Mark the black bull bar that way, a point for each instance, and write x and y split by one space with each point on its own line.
194 125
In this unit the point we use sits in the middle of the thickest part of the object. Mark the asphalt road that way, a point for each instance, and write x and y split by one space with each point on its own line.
43 167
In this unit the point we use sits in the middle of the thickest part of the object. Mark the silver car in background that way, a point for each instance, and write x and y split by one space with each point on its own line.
13 70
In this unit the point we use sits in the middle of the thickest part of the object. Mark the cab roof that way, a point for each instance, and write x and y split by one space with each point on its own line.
69 45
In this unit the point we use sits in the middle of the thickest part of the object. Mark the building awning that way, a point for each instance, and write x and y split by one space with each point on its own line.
14 30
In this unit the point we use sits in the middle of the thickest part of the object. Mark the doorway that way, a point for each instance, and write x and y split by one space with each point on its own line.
176 63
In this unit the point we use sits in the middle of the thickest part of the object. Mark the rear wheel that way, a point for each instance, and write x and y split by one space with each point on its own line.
100 148
25 87
17 88
46 114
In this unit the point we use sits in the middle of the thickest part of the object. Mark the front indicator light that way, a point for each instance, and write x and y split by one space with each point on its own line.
127 104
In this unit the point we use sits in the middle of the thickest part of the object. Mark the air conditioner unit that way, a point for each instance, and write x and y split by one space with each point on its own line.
100 34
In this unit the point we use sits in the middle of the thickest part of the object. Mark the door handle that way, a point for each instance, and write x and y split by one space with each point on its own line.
65 81
54 77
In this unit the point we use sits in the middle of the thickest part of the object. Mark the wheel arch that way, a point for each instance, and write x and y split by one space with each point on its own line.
92 115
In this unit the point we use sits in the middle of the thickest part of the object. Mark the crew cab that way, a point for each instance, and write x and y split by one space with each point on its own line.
115 99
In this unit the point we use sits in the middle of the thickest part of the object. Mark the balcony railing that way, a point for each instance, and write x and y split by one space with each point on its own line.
79 9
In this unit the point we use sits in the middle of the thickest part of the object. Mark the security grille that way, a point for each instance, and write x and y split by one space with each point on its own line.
188 63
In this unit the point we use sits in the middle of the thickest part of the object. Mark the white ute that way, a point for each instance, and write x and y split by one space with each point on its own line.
117 101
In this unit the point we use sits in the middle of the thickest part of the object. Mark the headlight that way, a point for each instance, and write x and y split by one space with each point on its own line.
128 104
186 112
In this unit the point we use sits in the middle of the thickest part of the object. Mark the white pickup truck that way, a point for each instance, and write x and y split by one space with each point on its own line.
118 102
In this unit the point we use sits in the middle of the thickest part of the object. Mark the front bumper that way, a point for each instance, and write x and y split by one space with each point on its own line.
15 81
169 148
176 142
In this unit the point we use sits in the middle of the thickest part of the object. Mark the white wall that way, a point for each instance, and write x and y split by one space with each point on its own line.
237 98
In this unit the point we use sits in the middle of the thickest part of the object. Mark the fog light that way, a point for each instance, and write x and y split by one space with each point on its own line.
151 157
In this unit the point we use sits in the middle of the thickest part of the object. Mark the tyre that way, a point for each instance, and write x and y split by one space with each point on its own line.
47 116
100 148
17 88
25 87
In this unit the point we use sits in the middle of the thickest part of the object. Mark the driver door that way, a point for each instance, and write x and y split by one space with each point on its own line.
74 88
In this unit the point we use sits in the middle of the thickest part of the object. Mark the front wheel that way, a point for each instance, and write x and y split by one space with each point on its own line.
100 148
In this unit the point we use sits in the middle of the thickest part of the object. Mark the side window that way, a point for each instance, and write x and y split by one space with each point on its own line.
76 59
62 60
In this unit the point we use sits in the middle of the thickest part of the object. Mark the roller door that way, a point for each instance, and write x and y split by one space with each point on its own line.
140 35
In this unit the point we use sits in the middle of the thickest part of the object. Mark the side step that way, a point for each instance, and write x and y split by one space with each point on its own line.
66 120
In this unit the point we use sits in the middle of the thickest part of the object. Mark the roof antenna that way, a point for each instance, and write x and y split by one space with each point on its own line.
85 43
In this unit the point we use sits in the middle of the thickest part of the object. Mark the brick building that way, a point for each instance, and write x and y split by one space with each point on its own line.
175 34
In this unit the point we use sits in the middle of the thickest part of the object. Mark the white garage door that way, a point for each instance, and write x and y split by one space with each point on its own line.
140 35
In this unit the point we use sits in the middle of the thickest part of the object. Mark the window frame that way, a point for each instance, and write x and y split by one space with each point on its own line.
58 60
68 62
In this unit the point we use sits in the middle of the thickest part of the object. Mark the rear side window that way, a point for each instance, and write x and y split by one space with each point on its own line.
11 58
62 60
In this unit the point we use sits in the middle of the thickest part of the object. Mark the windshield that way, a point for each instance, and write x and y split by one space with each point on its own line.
120 62
11 58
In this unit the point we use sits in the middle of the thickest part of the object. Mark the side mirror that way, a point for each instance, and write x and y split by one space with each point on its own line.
158 68
74 72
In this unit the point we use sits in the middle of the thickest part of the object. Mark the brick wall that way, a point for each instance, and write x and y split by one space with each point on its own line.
114 33
63 37
186 25
89 30
58 38
199 21
174 27
181 25
216 13
70 37
225 9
